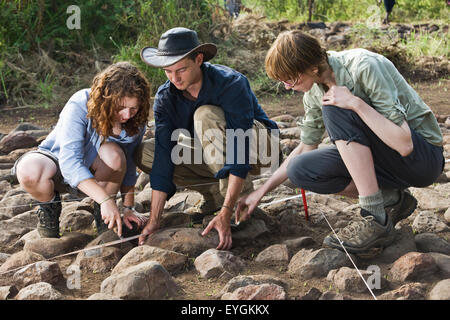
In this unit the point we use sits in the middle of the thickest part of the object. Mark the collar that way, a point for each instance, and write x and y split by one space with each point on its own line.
341 73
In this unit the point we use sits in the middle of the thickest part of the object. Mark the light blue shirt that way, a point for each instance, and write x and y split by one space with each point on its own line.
76 143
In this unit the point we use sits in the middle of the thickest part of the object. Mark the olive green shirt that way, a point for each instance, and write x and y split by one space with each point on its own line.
375 80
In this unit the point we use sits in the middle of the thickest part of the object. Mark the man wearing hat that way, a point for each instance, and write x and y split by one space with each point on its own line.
207 108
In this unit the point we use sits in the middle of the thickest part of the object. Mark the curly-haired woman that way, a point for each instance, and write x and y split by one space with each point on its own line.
385 137
91 149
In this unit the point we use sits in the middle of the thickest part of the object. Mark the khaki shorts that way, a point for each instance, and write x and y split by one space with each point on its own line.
58 179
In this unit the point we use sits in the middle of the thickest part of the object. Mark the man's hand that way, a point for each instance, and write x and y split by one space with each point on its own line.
222 224
340 97
246 205
132 216
150 228
111 215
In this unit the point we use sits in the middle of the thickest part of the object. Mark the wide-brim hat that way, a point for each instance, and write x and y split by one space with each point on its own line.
174 45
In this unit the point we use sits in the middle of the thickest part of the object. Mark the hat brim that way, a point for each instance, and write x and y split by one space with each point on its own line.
150 55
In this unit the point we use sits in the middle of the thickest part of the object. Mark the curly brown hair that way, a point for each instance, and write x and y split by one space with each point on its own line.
117 81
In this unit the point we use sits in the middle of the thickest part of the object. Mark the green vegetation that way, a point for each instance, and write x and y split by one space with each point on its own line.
43 62
348 10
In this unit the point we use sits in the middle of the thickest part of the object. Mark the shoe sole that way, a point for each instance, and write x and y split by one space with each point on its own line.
378 243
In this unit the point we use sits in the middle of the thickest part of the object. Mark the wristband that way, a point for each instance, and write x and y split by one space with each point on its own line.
106 199
132 208
224 206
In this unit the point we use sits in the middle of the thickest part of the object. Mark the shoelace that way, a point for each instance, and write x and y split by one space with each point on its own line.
356 226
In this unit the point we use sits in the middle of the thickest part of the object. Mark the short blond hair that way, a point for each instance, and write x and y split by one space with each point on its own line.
292 53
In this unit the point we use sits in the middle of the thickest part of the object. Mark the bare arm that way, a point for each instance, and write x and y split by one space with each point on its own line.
222 221
251 201
157 208
396 137
110 212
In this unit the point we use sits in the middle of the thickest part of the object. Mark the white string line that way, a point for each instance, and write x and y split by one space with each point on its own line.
348 255
136 236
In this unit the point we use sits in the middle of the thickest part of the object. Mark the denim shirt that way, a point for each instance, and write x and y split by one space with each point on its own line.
75 143
374 79
222 87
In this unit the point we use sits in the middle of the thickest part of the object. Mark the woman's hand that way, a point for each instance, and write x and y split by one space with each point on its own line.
148 230
130 215
111 215
340 97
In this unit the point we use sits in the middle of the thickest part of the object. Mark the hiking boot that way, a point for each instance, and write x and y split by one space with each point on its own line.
48 214
99 224
362 234
403 208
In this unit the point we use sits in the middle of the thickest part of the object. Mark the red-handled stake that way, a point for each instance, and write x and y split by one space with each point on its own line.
305 205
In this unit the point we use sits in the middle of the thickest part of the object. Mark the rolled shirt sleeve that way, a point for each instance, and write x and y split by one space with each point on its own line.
312 126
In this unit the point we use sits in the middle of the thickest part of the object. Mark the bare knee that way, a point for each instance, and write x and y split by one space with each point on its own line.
30 173
113 157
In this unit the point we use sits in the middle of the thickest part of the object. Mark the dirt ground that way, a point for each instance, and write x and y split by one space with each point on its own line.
436 94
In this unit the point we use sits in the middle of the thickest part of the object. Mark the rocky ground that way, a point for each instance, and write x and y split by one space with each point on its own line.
277 254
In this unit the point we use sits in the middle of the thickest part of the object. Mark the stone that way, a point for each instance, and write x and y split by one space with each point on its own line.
430 242
79 220
51 247
183 240
5 186
19 244
4 257
39 291
12 229
412 266
172 261
257 292
294 245
212 263
429 199
110 236
145 198
7 292
441 291
330 295
102 296
175 220
26 126
347 279
428 221
17 140
14 155
99 260
277 253
182 201
19 259
312 294
142 181
308 263
42 271
442 262
11 206
403 243
242 281
283 118
70 207
447 215
288 145
249 230
290 133
147 280
409 291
